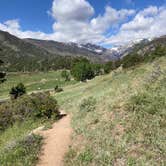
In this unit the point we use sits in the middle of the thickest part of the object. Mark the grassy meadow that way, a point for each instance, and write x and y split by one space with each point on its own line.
33 81
17 146
119 118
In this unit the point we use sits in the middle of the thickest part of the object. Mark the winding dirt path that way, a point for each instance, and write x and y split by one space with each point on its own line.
56 143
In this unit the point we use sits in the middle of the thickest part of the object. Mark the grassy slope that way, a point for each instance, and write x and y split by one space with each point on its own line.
104 136
33 81
17 147
115 133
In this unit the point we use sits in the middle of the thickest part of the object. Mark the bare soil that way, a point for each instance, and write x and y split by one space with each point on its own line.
56 143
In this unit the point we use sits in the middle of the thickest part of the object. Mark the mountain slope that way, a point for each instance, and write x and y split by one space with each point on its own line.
68 49
30 55
33 55
147 46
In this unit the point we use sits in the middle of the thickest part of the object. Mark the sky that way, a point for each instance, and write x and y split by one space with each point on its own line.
105 22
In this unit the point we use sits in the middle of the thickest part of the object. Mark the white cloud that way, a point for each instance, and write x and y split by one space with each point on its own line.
74 22
148 23
67 10
14 24
110 18
13 27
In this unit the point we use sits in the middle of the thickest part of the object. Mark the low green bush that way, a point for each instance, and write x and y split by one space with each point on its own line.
86 156
88 105
58 89
23 152
148 103
66 75
40 105
158 52
131 60
6 116
17 91
152 100
111 65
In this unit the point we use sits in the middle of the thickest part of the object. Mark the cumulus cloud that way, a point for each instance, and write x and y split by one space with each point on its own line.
110 18
148 23
75 10
13 27
74 21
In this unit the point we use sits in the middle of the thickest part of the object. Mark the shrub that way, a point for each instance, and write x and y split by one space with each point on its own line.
147 103
2 74
40 105
82 71
36 105
111 65
158 52
17 91
2 77
97 69
22 152
150 101
57 89
88 104
86 156
6 116
131 60
65 74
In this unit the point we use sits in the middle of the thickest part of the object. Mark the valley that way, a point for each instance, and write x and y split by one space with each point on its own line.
82 83
115 109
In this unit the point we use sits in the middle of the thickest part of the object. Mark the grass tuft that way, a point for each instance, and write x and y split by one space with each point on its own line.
24 152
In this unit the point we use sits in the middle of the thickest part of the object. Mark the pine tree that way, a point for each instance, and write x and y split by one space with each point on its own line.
2 74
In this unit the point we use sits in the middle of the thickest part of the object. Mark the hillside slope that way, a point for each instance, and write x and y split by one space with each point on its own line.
41 55
119 119
70 49
30 54
146 47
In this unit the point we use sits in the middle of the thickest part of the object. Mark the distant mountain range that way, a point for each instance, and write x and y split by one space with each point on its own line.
15 51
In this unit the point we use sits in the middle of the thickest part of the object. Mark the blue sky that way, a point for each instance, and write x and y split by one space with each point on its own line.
98 21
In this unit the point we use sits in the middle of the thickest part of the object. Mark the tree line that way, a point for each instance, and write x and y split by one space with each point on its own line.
81 68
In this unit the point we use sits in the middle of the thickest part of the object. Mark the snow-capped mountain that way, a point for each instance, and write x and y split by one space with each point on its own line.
43 48
94 48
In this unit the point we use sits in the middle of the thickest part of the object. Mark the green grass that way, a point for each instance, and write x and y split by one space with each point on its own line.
33 81
17 147
118 119
112 133
18 132
24 152
15 137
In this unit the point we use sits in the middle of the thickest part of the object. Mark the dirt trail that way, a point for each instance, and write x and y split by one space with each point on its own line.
56 143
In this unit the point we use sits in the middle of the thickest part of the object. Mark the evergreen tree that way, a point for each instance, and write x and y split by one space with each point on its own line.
2 74
17 91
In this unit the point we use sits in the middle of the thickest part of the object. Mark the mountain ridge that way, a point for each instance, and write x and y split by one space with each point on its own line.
33 54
